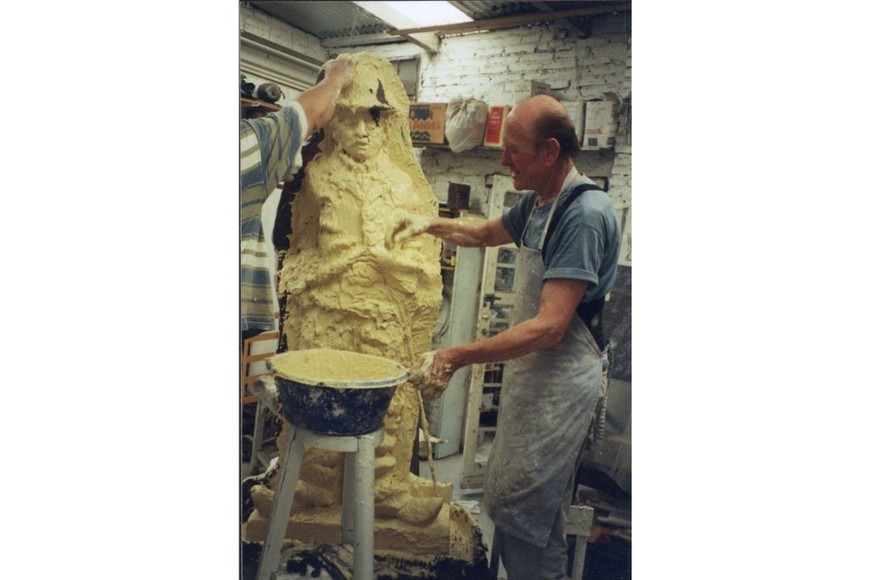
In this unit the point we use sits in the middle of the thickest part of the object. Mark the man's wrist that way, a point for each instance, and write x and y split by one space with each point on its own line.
454 356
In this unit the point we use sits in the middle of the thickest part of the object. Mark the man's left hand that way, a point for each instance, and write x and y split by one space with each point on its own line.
432 374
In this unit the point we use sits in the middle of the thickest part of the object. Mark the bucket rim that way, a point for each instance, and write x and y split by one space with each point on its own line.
401 375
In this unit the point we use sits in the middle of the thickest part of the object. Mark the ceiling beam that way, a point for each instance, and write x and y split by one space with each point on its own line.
511 21
428 41
361 40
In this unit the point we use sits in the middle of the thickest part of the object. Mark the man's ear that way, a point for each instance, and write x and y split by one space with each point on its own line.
551 151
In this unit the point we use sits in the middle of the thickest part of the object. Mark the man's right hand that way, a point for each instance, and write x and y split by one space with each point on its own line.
319 101
339 69
404 226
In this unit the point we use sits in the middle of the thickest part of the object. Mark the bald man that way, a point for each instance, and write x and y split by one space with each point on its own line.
568 238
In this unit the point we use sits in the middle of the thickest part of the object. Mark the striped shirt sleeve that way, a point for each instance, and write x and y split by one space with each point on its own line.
270 151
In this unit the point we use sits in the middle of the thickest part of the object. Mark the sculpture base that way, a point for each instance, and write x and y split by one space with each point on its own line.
315 526
466 560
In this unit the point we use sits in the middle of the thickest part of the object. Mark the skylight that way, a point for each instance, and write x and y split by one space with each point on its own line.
430 13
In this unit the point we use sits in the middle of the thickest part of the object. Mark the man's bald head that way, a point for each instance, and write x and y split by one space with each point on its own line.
542 117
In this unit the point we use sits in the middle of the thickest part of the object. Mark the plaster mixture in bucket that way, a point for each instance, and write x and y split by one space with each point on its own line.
341 288
330 366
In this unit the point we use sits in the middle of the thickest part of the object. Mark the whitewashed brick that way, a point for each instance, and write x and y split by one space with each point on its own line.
487 51
534 60
515 48
622 165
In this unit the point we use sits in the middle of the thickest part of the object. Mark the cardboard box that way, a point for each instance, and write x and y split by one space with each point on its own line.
526 88
427 122
495 122
600 125
577 111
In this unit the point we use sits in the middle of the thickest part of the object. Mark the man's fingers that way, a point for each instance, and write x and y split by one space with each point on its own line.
402 234
403 228
430 375
341 68
408 226
393 231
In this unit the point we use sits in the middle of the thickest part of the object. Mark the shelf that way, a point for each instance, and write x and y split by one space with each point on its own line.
256 107
440 146
446 147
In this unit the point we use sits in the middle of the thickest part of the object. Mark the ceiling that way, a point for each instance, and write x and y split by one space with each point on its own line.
342 24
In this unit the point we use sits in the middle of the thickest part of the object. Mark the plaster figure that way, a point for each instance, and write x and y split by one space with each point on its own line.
344 289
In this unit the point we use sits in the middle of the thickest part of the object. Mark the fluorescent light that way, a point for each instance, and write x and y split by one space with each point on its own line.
430 13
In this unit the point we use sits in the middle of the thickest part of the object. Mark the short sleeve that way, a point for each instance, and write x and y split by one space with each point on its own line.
514 218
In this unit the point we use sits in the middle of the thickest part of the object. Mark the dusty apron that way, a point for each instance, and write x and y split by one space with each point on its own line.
548 400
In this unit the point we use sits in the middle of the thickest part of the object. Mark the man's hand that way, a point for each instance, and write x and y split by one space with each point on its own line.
339 69
403 226
319 101
432 374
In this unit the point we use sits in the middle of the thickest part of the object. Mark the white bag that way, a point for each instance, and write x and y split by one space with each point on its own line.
466 123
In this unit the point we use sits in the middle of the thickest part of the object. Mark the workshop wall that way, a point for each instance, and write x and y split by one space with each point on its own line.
496 67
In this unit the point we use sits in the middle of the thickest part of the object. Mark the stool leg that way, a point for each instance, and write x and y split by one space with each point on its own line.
347 499
291 465
259 423
364 509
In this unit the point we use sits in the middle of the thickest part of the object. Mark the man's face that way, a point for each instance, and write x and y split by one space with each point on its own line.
520 155
357 133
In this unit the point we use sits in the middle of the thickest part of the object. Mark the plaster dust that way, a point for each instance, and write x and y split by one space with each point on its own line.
328 365
342 288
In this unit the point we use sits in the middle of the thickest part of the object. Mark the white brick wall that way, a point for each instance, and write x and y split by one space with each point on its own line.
492 67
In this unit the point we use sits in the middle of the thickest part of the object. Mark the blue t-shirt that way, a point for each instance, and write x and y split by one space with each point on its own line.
583 246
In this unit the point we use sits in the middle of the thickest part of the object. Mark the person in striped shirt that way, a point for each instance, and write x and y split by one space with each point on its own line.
270 151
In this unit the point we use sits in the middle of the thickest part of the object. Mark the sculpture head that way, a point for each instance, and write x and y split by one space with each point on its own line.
372 113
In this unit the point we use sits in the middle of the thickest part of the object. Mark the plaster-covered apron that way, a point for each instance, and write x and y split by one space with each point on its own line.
547 404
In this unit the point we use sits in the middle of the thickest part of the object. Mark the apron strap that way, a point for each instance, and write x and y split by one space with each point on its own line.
591 313
563 207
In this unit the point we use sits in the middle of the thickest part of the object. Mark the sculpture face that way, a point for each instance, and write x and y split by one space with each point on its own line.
358 133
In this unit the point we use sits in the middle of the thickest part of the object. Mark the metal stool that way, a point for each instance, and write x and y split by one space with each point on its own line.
358 503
